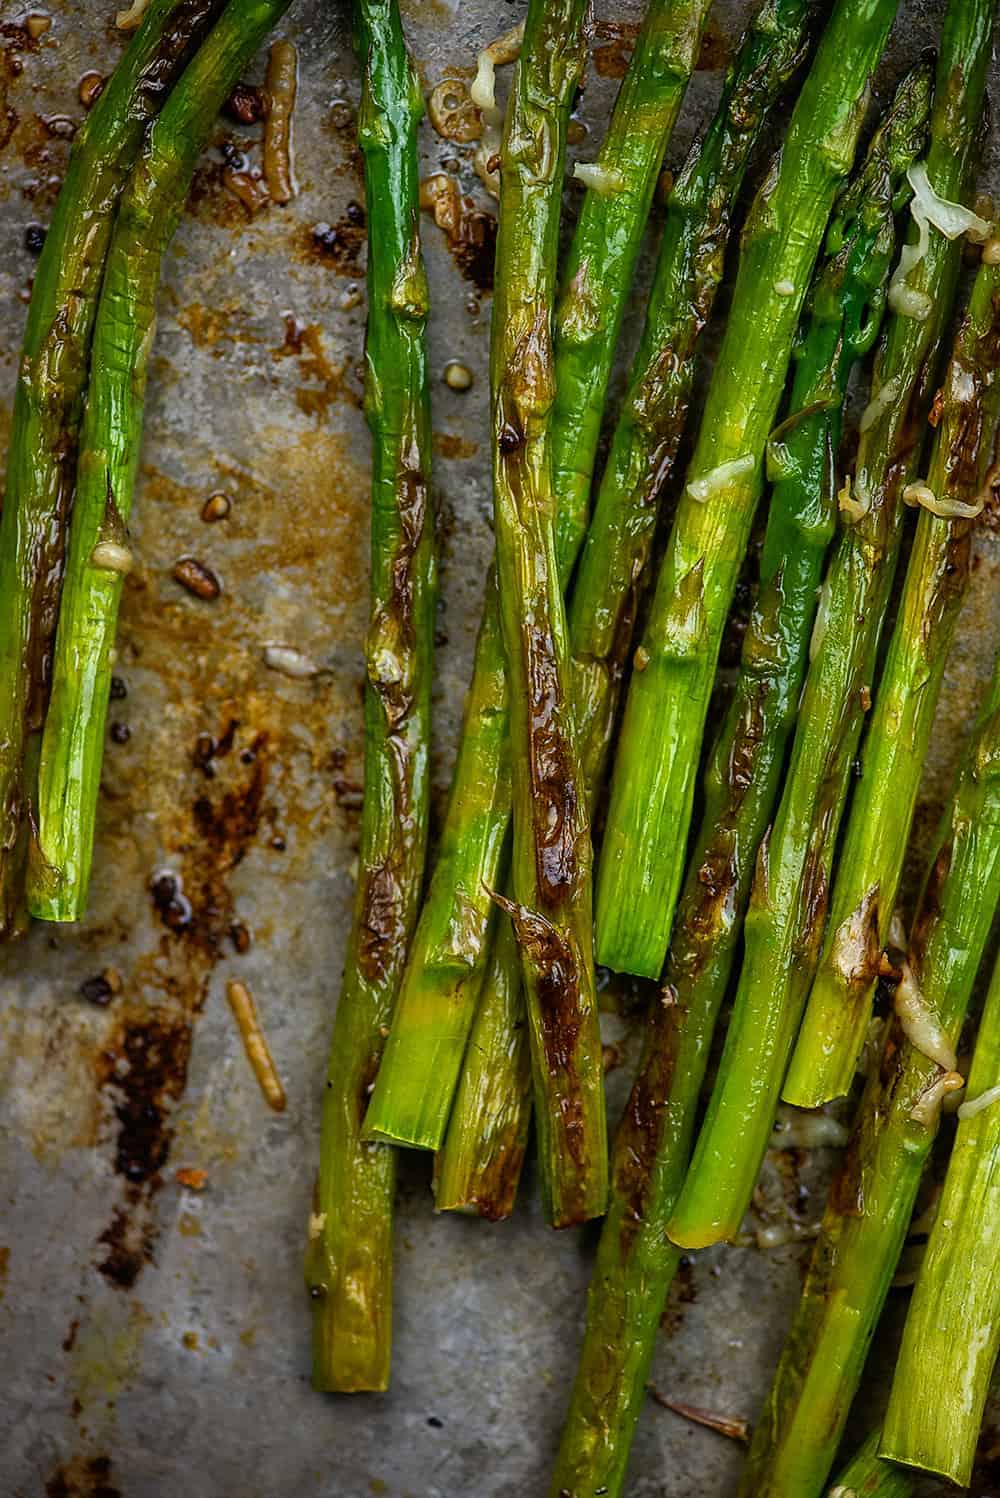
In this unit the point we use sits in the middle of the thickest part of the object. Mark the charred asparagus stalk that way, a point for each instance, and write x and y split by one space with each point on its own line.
872 1197
445 973
652 786
615 557
870 864
48 404
784 923
636 1262
349 1259
550 860
952 1331
72 744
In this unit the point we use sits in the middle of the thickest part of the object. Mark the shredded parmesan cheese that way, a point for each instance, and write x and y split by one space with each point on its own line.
950 219
317 1222
920 1025
784 288
905 301
282 86
974 1105
290 662
797 1128
255 1044
108 556
947 509
777 1234
598 178
128 20
880 401
504 49
717 478
853 507
991 252
927 1109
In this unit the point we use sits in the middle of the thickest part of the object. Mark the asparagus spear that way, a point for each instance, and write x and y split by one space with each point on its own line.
869 868
423 1058
616 553
479 1166
48 404
635 1261
349 1260
550 858
867 1476
872 1197
784 923
952 1331
601 259
615 557
72 741
652 786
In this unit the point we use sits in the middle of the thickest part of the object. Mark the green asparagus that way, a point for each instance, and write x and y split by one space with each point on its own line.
952 1331
871 1199
48 406
550 856
636 1262
445 974
870 864
615 556
652 786
601 259
479 1165
784 924
349 1259
867 1476
72 743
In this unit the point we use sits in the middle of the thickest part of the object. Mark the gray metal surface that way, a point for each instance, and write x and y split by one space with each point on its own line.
155 1339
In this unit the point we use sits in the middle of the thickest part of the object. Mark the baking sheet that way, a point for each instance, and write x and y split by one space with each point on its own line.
156 1338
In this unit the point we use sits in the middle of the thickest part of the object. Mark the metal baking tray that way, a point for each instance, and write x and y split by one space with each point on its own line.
156 1338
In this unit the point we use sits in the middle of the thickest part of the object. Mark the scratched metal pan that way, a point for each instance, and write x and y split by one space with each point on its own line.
156 1337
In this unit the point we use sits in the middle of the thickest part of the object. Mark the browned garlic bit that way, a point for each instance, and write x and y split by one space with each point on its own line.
452 113
90 89
282 84
290 662
197 578
255 1044
505 49
457 376
108 556
250 189
37 24
216 507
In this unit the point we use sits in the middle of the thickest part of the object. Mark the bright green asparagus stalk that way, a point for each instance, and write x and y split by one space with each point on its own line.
615 558
349 1260
784 924
72 744
601 259
653 782
423 1058
952 1331
870 864
550 859
872 1197
48 404
868 1476
635 1261
616 554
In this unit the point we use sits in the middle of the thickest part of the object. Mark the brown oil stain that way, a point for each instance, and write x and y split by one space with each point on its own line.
211 199
470 231
337 246
452 445
716 48
4 1266
188 1225
617 43
82 1477
323 382
214 327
